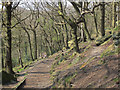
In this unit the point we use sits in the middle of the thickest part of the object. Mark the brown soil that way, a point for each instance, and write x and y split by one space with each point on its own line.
39 74
90 75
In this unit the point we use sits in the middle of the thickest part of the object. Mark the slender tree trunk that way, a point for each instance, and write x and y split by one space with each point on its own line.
114 14
95 20
66 36
26 50
103 19
83 36
49 47
38 51
63 35
119 12
19 50
2 52
58 35
87 32
29 40
74 37
35 44
70 34
2 43
9 39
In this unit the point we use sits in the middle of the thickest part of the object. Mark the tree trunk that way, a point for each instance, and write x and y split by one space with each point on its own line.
74 37
103 19
73 26
113 14
2 43
2 52
83 36
87 32
26 50
119 12
63 36
49 47
29 40
9 39
35 44
66 36
19 51
95 20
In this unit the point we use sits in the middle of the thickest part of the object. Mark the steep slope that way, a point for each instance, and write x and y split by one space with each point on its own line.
95 67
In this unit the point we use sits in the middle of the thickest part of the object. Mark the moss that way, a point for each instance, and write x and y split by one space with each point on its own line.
75 60
102 40
16 68
83 65
74 54
118 50
108 31
106 77
116 79
69 78
109 51
101 61
20 70
57 57
88 47
105 42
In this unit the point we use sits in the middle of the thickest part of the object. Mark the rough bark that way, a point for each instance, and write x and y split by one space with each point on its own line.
119 12
26 50
73 26
74 37
66 36
113 14
19 51
9 39
83 36
103 19
29 40
95 20
2 52
35 44
2 43
86 29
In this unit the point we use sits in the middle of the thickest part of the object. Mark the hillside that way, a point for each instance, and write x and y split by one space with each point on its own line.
95 67
60 44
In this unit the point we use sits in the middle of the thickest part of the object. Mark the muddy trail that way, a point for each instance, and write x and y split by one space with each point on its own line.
38 76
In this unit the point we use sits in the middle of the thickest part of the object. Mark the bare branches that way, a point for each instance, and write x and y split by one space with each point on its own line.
20 21
15 5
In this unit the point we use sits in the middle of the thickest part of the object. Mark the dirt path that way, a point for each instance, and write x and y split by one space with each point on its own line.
94 52
39 76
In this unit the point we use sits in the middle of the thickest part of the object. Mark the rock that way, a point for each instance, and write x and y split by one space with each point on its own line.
7 78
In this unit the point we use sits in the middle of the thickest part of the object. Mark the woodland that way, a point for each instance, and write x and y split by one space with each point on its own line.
60 44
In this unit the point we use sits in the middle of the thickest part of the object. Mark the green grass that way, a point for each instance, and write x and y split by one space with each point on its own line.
69 78
109 51
116 79
20 70
101 62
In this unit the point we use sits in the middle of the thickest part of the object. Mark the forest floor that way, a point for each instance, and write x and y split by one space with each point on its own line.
95 67
90 69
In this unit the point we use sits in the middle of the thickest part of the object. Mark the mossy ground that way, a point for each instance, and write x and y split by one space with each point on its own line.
82 63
